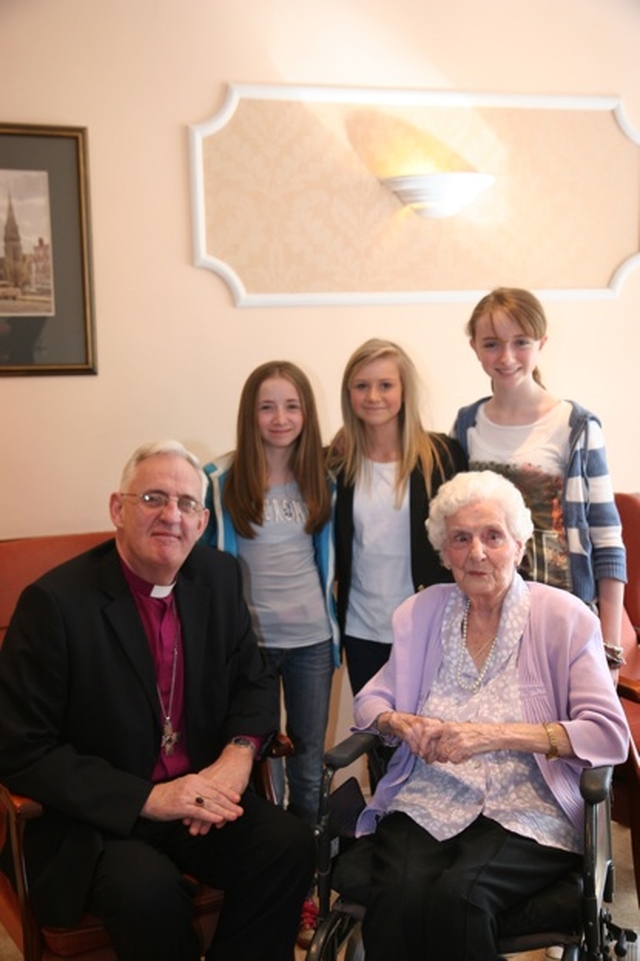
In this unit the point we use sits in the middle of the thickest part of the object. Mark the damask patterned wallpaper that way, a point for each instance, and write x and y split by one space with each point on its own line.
292 204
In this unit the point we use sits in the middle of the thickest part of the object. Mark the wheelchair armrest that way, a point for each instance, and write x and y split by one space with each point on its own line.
595 783
349 750
337 758
598 876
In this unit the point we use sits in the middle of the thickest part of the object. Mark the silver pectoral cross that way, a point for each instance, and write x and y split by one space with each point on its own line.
169 737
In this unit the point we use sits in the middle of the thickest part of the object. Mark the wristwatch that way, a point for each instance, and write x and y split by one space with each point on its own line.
244 742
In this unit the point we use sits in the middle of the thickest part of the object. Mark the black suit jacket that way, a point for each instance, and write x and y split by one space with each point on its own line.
80 725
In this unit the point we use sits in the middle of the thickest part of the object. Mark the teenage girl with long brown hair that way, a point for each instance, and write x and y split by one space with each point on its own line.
270 505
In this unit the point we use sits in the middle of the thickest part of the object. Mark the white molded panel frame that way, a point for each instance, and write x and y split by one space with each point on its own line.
380 98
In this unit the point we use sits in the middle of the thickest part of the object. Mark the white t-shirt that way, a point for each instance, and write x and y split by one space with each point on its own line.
381 563
533 456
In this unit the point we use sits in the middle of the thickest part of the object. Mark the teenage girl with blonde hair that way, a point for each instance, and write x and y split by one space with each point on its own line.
387 468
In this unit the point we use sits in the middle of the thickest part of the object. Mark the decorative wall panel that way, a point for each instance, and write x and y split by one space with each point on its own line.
289 208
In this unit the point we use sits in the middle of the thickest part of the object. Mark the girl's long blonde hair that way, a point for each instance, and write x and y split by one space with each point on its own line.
247 478
348 449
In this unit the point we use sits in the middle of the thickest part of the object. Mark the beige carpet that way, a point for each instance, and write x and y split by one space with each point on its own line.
625 908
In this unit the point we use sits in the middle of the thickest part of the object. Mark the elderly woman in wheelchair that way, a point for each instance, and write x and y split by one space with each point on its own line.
497 695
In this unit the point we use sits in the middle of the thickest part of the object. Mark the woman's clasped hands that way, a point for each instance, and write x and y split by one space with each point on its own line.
434 740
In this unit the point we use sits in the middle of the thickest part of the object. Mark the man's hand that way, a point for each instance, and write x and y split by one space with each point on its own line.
230 773
208 799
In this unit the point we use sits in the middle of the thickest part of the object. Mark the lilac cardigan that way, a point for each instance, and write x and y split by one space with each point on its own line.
563 676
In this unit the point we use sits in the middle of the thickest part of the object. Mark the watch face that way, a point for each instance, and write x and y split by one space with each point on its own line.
244 742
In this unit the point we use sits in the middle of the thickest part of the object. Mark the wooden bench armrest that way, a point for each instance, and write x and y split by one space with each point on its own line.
18 807
280 746
16 811
629 687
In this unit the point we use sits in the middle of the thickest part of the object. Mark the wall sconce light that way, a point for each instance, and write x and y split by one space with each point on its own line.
439 194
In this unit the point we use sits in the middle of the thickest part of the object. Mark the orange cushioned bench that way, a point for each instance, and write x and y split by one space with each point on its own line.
24 559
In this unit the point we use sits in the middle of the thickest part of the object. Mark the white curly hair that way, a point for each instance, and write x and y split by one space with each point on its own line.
470 487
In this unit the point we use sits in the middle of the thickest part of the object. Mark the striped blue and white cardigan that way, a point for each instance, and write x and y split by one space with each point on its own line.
592 522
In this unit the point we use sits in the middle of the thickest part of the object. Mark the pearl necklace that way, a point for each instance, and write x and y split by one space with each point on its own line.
474 686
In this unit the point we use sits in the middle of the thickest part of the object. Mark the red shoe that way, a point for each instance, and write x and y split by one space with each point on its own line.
308 923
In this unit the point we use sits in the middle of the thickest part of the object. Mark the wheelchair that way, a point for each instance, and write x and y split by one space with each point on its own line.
571 913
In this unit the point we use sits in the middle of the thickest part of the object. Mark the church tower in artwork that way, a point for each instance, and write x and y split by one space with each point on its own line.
14 263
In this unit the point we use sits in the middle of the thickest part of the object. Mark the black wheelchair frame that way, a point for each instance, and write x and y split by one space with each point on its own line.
592 937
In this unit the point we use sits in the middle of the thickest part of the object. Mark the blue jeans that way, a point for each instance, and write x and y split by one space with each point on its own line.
306 674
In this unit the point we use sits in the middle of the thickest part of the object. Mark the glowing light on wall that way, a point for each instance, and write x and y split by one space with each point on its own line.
439 194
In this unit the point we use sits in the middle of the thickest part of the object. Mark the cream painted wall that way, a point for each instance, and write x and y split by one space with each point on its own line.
172 350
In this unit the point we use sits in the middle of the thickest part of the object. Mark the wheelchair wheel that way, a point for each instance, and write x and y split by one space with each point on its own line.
354 950
330 937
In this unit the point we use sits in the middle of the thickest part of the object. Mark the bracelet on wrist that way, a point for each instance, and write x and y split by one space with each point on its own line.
614 655
552 753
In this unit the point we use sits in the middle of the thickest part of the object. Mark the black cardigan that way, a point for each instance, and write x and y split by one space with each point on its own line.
426 568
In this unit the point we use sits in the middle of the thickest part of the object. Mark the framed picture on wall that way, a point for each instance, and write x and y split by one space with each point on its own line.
46 296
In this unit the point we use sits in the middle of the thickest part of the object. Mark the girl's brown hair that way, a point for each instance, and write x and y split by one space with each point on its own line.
348 449
521 305
247 478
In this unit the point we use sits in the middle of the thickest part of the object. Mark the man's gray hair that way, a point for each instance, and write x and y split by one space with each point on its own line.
169 446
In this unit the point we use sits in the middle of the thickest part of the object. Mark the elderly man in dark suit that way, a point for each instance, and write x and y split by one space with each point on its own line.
134 698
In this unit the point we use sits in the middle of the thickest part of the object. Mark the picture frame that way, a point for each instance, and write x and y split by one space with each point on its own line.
46 286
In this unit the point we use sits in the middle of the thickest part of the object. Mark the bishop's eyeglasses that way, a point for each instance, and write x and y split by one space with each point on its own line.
158 500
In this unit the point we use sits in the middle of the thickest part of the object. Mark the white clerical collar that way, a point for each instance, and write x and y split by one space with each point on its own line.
162 590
